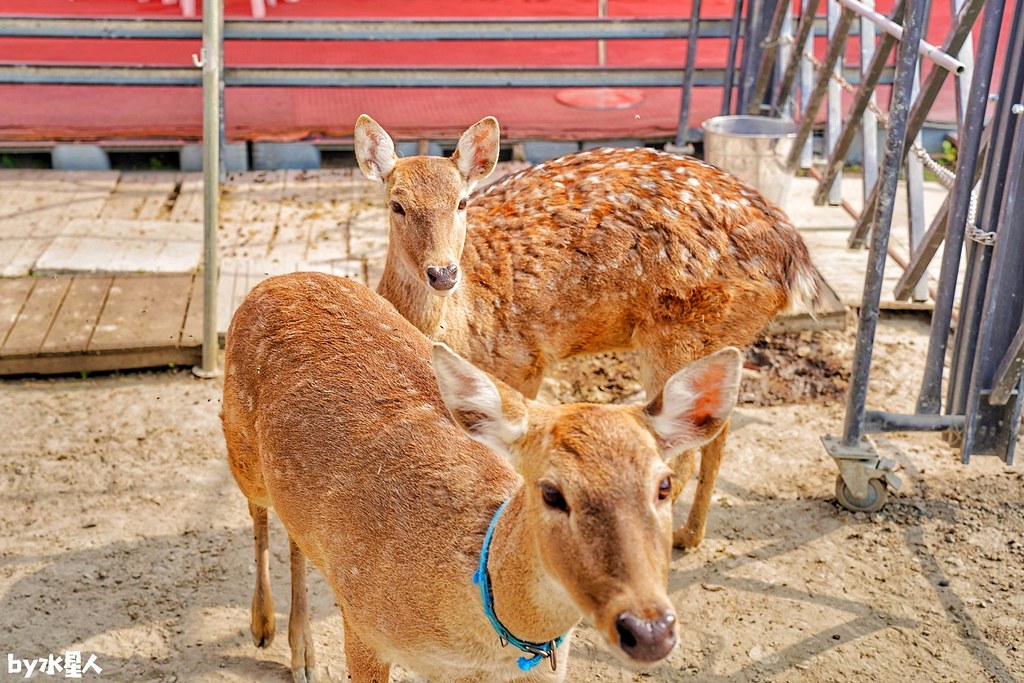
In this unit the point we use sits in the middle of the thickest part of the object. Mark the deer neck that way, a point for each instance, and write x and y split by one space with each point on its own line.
527 600
411 298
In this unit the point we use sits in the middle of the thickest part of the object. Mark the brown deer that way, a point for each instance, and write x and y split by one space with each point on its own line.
608 249
444 512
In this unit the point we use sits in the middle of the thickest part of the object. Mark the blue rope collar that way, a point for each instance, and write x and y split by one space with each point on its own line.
537 651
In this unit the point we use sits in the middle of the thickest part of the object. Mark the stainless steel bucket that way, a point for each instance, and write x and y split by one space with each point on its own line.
753 148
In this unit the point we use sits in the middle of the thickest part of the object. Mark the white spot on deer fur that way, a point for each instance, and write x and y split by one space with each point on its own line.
713 254
717 198
685 197
745 201
662 254
669 212
621 164
693 181
733 204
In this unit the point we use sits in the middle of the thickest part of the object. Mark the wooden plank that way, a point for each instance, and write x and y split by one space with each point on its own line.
139 192
116 245
53 364
73 327
13 294
192 331
143 311
188 206
33 323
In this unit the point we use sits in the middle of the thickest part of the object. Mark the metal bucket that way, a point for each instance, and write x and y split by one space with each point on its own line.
753 148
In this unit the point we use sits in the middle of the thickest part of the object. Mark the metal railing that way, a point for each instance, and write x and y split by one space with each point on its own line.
982 410
214 76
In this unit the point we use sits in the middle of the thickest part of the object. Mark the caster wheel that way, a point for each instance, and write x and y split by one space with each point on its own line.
876 499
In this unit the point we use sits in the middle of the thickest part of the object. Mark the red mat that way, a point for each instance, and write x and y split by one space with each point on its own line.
33 112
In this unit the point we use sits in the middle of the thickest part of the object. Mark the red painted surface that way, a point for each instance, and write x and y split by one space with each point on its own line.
32 112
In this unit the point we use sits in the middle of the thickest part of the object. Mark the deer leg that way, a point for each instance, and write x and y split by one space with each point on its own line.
300 635
691 535
364 666
262 625
683 466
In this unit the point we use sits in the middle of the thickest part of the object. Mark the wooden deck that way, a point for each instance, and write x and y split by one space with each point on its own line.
100 271
86 323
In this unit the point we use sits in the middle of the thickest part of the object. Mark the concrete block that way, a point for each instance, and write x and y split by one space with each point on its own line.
80 158
235 155
537 151
268 156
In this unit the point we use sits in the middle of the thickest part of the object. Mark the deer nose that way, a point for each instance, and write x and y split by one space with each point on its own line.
646 640
443 278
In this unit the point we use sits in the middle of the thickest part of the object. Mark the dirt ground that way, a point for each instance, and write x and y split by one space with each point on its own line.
123 535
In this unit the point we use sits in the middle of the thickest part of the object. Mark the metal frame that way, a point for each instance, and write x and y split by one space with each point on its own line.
983 407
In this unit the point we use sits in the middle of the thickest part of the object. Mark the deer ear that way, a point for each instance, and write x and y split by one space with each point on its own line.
477 151
375 150
696 402
490 412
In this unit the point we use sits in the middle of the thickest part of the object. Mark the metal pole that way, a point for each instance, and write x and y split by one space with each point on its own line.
748 68
906 60
806 77
683 130
929 399
804 41
834 107
213 139
915 201
927 50
764 72
859 109
923 104
821 82
989 267
868 119
730 66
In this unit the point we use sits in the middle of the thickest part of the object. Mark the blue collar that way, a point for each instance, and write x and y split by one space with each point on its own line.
537 651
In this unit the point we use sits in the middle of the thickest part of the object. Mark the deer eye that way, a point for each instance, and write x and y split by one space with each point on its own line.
553 498
397 208
665 488
462 204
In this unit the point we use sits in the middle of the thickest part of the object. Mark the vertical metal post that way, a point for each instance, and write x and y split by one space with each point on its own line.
906 60
976 324
730 65
915 200
683 131
963 83
992 428
213 139
929 398
767 61
806 75
834 107
869 120
602 47
748 65
786 51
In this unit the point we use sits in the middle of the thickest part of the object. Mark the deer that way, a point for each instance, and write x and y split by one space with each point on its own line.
610 249
450 515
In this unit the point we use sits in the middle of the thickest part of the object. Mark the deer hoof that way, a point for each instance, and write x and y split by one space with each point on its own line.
304 674
685 539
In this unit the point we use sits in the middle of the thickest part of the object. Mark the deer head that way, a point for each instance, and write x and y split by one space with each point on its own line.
427 197
597 490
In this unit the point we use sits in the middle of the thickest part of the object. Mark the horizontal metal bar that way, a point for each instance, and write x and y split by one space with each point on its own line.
501 29
392 30
882 421
287 77
926 49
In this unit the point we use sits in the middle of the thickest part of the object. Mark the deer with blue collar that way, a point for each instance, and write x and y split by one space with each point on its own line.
464 529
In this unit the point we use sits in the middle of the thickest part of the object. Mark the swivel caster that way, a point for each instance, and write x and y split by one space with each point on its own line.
875 500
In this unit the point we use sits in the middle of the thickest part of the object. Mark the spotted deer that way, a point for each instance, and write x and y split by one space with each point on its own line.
449 513
603 250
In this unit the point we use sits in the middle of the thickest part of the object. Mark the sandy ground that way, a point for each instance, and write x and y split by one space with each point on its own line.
123 535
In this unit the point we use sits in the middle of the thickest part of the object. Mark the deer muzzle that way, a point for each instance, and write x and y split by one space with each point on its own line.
443 278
